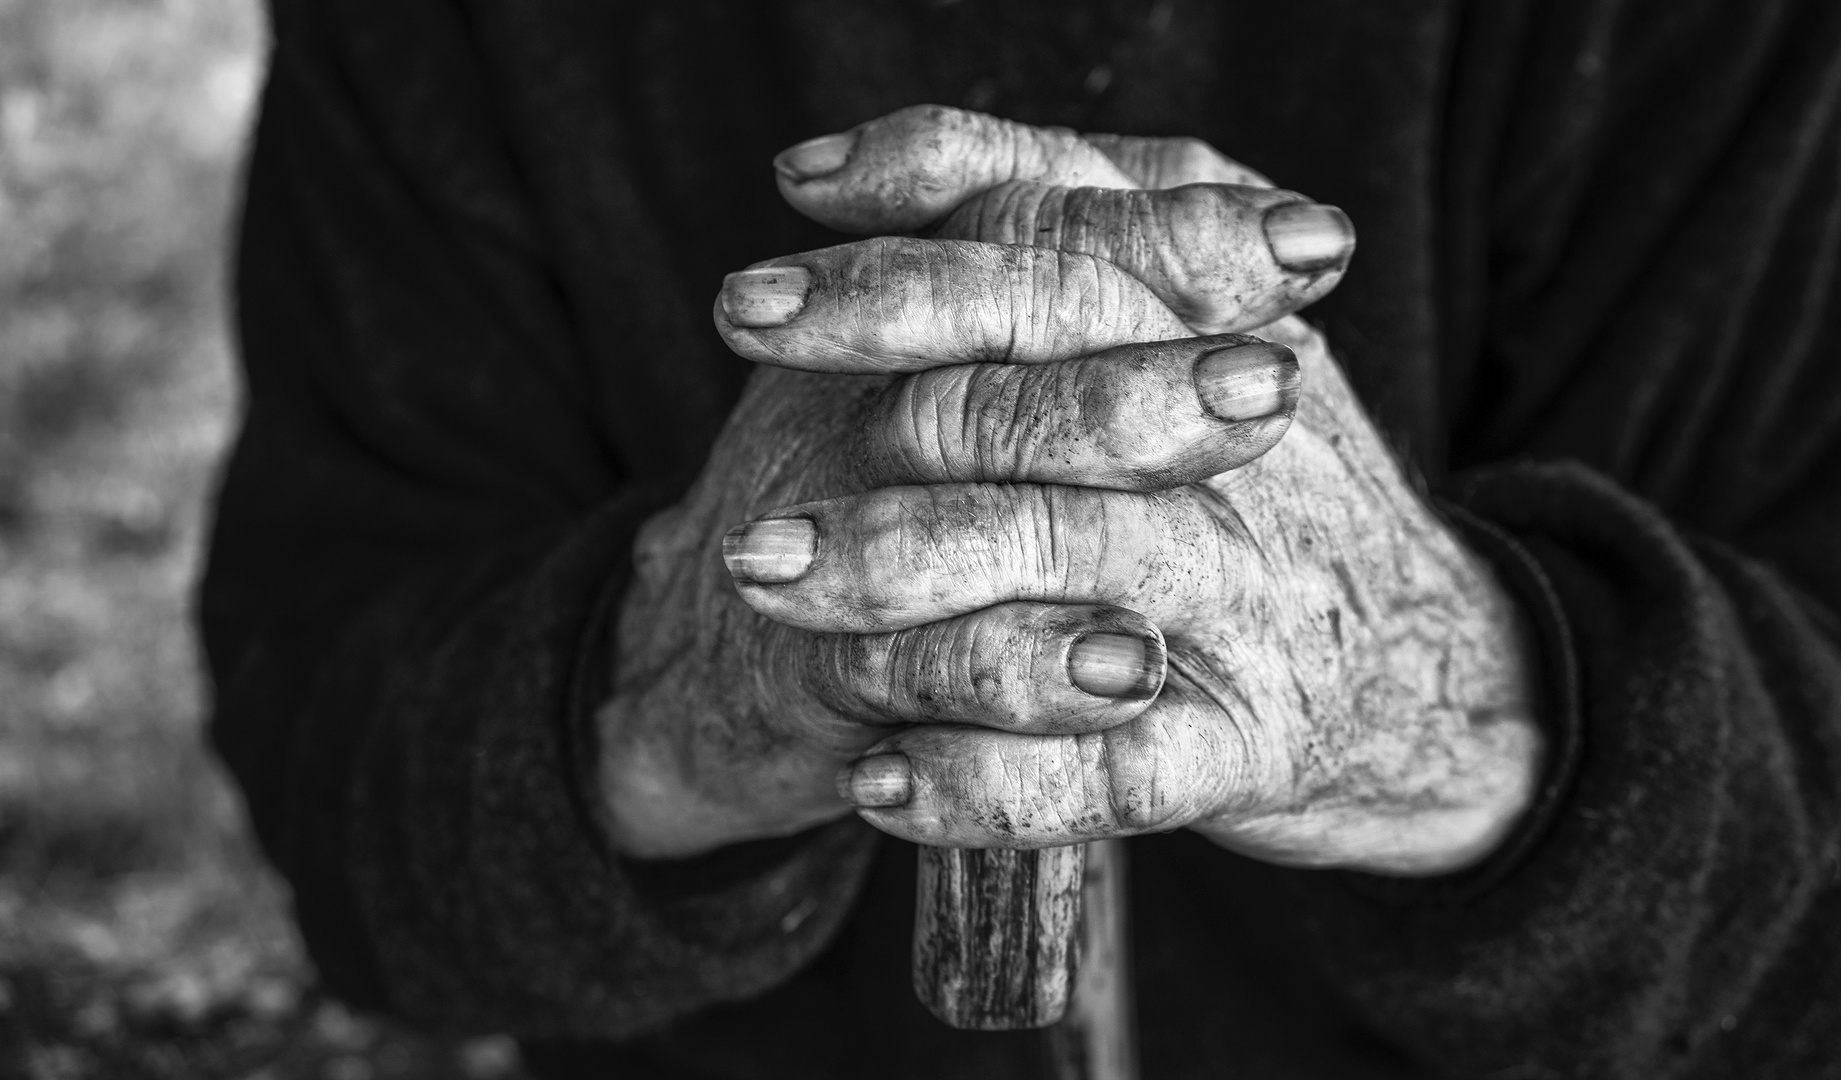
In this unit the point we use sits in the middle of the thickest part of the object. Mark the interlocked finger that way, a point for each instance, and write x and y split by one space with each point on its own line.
1027 668
901 171
905 170
1225 258
906 556
1210 237
1136 418
894 304
1179 761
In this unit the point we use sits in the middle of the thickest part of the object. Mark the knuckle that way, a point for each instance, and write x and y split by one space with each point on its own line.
931 535
1027 791
1097 542
1110 408
1059 155
1107 223
1190 152
1214 255
1119 403
1037 523
953 543
1036 213
984 664
1003 416
886 266
1138 788
1015 150
1097 303
1195 161
965 423
924 118
1065 788
942 671
854 672
897 295
1198 226
977 668
1082 768
915 427
1184 159
928 136
954 146
884 529
907 682
923 300
991 791
1076 296
955 670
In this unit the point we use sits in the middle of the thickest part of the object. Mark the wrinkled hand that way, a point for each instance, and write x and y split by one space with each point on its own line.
980 556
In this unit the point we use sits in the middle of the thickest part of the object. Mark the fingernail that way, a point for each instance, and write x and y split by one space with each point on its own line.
767 297
1247 382
814 158
877 783
772 551
1307 237
1117 666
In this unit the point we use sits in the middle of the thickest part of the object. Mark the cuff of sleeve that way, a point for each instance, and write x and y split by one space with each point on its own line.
704 883
488 887
1558 710
713 896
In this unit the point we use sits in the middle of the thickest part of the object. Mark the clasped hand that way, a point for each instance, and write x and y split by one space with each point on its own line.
999 552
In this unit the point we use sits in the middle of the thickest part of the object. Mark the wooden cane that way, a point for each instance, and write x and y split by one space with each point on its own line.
998 943
996 935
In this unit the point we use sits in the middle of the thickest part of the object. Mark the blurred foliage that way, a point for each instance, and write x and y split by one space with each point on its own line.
140 936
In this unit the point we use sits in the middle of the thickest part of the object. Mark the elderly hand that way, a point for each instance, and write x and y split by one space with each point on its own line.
980 556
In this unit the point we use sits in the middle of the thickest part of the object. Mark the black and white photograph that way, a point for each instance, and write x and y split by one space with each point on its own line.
912 539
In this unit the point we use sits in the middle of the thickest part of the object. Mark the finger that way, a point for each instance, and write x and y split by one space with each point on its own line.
902 304
904 170
1136 418
906 556
1225 258
1039 668
1178 762
1167 162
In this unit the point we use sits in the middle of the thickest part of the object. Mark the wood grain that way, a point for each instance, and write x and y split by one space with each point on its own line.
997 935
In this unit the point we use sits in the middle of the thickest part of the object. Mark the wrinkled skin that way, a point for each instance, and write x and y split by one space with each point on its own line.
1000 449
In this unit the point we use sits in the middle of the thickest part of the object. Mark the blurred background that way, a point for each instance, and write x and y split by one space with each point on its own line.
140 935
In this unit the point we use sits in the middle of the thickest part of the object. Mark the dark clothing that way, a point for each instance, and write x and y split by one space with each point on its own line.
1594 295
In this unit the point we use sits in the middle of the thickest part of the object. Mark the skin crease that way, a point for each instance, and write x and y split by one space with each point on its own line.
1212 264
1346 684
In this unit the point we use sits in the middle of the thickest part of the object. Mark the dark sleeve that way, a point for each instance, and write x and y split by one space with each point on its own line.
1649 451
458 414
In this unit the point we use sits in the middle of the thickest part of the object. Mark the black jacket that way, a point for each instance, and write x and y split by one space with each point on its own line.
1595 304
